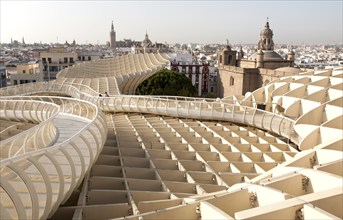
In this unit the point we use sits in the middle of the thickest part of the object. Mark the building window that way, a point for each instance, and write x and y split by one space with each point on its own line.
65 59
71 60
220 59
230 58
211 89
49 59
89 58
232 81
24 71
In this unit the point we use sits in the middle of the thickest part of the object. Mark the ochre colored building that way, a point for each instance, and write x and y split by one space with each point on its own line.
239 75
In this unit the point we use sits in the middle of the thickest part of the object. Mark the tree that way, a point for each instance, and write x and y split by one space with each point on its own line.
167 82
211 95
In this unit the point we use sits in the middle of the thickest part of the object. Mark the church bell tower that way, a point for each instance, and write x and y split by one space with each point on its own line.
266 38
112 37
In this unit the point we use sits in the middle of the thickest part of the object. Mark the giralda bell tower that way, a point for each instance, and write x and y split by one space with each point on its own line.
113 37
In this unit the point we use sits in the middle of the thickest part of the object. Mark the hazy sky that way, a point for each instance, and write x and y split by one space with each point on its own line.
293 22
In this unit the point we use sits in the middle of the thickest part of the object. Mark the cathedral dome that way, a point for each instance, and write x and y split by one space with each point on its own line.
146 42
266 31
269 55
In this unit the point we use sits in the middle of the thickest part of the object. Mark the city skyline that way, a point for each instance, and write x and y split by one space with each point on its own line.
293 22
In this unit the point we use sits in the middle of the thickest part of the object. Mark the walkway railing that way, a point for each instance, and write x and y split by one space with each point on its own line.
41 87
34 184
197 108
32 139
202 109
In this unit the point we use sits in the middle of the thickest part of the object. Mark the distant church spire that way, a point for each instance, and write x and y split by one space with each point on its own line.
267 23
112 27
146 42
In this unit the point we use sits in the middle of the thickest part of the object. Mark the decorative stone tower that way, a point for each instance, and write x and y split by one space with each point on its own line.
266 38
259 58
146 42
227 56
290 57
112 38
240 53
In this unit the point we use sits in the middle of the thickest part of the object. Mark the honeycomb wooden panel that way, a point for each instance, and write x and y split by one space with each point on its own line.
154 166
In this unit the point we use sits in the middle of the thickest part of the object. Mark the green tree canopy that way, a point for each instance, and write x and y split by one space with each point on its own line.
167 82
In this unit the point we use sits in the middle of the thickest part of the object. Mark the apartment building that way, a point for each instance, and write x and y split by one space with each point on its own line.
27 73
56 59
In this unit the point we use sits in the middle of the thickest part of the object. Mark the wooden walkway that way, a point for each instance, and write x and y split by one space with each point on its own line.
67 126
